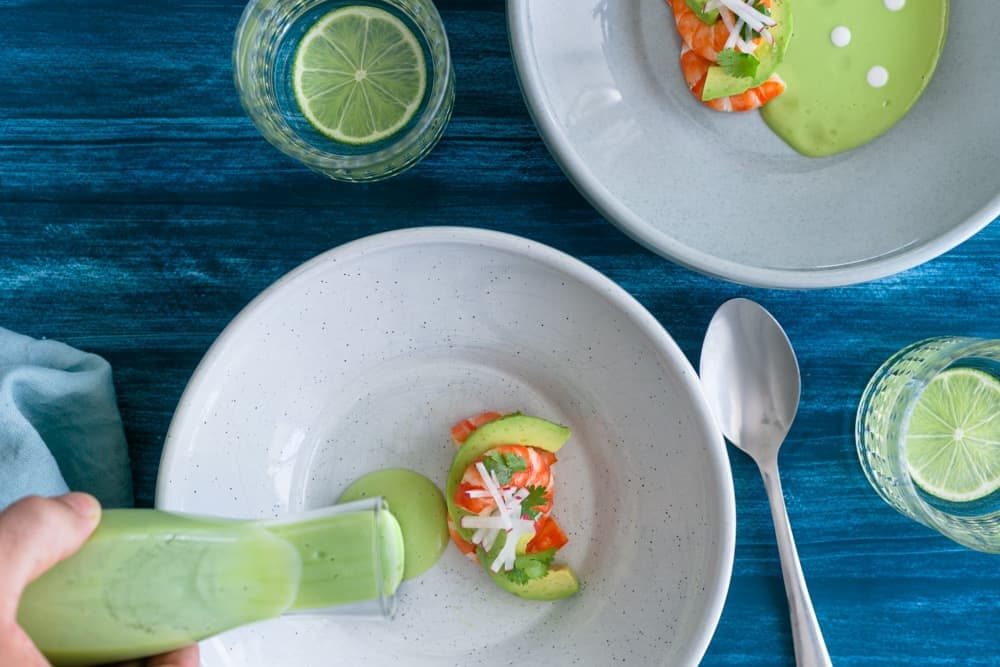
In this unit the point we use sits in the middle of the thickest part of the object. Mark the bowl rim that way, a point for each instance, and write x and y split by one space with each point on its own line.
602 285
616 212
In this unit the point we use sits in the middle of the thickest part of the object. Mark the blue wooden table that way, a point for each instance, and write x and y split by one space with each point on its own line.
140 210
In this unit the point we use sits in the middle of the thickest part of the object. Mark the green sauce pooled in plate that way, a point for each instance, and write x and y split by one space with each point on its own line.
417 504
854 68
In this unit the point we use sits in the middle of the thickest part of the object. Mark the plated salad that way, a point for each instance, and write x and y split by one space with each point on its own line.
500 495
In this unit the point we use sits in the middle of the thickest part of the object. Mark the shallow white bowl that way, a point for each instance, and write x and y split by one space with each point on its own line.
363 357
720 193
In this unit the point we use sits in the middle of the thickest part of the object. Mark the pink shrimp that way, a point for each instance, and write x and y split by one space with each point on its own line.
463 429
704 39
695 69
537 472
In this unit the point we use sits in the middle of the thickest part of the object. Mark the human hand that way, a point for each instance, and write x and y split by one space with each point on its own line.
35 534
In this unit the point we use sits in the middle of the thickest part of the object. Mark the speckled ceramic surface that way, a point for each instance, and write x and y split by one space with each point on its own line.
722 194
363 358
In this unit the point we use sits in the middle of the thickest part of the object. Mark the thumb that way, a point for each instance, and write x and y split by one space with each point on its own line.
185 657
35 534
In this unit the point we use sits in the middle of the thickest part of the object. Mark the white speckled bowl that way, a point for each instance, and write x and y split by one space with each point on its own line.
363 357
720 193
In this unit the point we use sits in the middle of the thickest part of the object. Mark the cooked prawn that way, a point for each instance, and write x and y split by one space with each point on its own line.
705 40
695 69
461 431
537 472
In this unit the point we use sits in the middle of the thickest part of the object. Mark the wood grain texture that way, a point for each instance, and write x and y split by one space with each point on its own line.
140 210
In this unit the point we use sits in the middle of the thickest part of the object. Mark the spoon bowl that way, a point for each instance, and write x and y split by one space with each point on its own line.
750 376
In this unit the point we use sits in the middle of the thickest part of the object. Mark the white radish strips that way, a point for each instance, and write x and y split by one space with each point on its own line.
734 34
745 11
494 490
487 522
727 20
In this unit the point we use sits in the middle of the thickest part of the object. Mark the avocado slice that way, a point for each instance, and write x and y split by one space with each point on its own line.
558 584
698 7
719 84
515 429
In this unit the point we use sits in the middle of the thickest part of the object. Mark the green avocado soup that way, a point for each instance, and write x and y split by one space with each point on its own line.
842 96
417 504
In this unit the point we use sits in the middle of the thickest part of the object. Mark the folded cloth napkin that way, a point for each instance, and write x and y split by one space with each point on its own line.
59 423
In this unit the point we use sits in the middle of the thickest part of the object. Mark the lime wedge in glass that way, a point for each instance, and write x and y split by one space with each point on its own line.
359 75
953 439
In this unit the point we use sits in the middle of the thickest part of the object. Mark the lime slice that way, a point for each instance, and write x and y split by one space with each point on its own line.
359 75
953 440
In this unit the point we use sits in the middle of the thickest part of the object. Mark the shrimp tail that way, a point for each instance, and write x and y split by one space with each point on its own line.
695 70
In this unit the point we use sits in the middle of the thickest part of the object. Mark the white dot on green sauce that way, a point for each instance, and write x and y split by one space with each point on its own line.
878 76
894 5
840 36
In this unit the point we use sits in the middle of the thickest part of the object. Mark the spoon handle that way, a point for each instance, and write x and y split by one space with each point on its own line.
810 649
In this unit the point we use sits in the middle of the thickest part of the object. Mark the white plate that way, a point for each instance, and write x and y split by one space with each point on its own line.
363 357
721 193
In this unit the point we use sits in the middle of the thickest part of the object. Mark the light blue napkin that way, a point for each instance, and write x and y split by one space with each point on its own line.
59 424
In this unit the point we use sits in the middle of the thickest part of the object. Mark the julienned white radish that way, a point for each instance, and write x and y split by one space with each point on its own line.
508 553
754 18
734 34
494 490
746 15
488 522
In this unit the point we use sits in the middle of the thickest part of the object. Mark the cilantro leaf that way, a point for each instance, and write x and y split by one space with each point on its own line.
535 498
503 465
531 566
517 576
698 7
739 65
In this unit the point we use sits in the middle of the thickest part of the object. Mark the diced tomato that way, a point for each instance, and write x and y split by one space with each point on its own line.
548 535
461 431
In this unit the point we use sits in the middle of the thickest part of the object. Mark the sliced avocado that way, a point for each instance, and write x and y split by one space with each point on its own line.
560 581
698 7
558 584
516 429
522 544
719 84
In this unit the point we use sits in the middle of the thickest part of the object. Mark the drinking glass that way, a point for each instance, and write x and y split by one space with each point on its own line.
882 422
263 57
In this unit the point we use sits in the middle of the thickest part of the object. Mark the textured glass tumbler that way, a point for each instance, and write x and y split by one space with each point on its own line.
263 55
882 422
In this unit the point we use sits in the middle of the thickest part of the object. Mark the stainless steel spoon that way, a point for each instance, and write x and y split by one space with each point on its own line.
751 379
